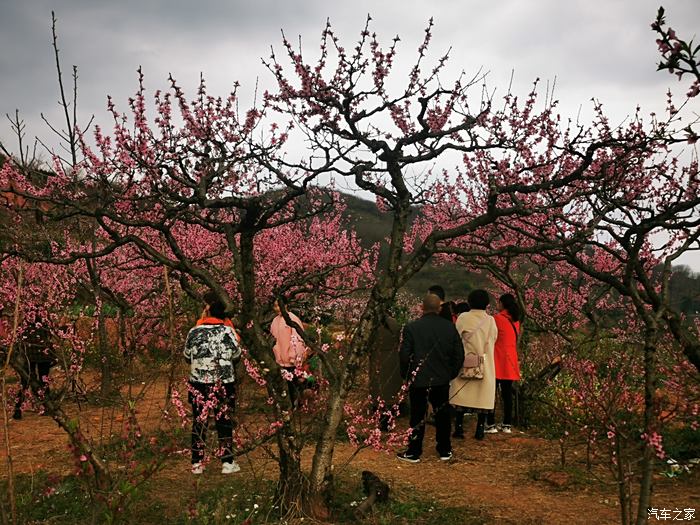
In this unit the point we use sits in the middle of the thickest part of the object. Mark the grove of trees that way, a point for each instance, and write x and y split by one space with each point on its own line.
184 194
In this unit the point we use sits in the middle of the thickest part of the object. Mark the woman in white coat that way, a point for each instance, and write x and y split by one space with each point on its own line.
479 332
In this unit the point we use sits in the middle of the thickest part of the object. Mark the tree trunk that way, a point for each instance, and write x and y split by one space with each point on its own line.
174 353
103 350
298 493
321 477
3 399
648 456
381 296
623 494
292 485
293 494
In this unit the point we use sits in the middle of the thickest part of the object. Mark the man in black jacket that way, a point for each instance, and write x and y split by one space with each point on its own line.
431 356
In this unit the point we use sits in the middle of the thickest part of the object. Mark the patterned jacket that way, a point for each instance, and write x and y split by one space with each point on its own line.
213 350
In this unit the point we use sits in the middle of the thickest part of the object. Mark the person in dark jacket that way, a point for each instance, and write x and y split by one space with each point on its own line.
446 308
37 356
431 356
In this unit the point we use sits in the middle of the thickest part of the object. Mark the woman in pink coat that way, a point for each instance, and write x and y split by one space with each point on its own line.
506 359
289 349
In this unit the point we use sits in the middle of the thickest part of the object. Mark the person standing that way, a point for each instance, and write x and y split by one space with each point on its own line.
447 313
209 299
478 332
385 369
213 349
446 308
431 355
36 353
459 412
506 360
290 350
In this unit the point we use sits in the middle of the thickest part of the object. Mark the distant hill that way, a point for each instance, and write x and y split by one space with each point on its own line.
374 227
684 289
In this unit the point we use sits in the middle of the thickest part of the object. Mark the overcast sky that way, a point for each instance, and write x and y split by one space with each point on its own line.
594 48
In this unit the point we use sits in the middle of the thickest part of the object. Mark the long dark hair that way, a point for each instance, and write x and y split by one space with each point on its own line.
460 308
510 305
447 310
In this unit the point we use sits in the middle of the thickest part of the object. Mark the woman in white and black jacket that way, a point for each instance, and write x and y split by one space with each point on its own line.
213 349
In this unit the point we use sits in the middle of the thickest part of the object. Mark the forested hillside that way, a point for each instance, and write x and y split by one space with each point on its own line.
373 226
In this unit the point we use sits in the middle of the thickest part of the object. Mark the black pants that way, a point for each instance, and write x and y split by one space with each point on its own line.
37 372
293 386
459 417
506 386
481 418
438 396
224 396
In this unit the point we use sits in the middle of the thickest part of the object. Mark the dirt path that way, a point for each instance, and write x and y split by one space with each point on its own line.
496 477
511 478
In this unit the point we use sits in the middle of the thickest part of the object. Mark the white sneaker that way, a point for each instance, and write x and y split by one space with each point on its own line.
506 429
230 468
491 429
197 468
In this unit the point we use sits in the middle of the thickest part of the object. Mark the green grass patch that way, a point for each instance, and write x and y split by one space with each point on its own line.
44 499
213 499
405 506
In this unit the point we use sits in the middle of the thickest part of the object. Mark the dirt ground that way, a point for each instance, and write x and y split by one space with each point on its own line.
513 478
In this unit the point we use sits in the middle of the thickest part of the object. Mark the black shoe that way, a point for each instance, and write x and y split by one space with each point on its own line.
410 458
446 457
17 414
479 432
458 433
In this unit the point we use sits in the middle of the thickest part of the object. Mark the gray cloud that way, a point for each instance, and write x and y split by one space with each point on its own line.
603 45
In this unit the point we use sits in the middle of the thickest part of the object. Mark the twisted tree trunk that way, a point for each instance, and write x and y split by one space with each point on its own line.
650 419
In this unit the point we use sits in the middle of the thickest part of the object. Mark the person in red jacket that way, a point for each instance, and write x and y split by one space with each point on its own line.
506 360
